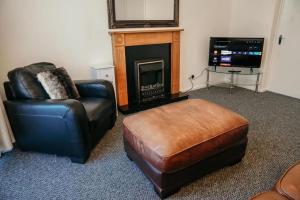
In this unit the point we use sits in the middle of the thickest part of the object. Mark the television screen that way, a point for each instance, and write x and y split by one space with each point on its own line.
236 52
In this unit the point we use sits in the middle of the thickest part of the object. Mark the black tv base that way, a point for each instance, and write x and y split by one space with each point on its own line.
136 107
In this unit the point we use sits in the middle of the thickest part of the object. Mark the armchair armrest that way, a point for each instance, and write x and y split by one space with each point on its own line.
47 107
96 88
51 126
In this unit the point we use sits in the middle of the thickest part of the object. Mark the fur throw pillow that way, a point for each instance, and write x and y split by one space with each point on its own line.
52 85
67 82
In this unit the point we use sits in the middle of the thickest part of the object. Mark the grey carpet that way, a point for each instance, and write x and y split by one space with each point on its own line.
274 144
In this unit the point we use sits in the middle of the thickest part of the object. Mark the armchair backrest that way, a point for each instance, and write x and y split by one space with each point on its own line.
23 83
9 91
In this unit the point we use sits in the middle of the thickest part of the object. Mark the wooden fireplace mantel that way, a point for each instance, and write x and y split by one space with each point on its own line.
121 38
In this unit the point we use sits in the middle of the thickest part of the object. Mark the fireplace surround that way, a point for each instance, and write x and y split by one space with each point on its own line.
154 42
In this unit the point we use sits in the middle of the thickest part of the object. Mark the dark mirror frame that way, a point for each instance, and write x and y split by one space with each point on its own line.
113 23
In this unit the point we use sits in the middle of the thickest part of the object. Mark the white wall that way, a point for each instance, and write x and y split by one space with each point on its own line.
234 18
74 33
69 33
200 20
254 18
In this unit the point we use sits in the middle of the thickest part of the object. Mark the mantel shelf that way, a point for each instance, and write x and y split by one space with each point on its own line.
145 30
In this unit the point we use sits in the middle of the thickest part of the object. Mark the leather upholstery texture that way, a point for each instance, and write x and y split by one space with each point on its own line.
269 196
178 135
177 143
166 184
98 111
63 127
25 82
95 88
9 91
289 184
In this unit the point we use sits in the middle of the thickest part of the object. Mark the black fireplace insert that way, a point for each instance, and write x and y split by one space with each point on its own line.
147 53
149 79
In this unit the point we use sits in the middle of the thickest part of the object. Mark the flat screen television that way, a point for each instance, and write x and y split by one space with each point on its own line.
235 52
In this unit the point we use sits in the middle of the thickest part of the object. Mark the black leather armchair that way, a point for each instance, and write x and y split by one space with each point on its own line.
63 127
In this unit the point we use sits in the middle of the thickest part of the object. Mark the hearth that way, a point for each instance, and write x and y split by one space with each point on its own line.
149 79
168 98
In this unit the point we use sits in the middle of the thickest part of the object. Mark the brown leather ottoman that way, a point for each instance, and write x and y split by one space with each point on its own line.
177 143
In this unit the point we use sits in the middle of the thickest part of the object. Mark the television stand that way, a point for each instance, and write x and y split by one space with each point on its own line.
231 84
234 71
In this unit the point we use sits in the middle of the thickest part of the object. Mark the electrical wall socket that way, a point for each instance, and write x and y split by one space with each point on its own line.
192 76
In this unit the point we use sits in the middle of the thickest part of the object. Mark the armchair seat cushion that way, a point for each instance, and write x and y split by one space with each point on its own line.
97 109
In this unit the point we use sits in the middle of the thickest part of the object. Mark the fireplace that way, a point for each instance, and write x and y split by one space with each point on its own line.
147 67
149 79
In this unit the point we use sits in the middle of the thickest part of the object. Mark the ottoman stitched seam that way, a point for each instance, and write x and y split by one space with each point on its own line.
168 156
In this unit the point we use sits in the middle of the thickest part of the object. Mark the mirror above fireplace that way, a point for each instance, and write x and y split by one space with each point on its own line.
143 13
